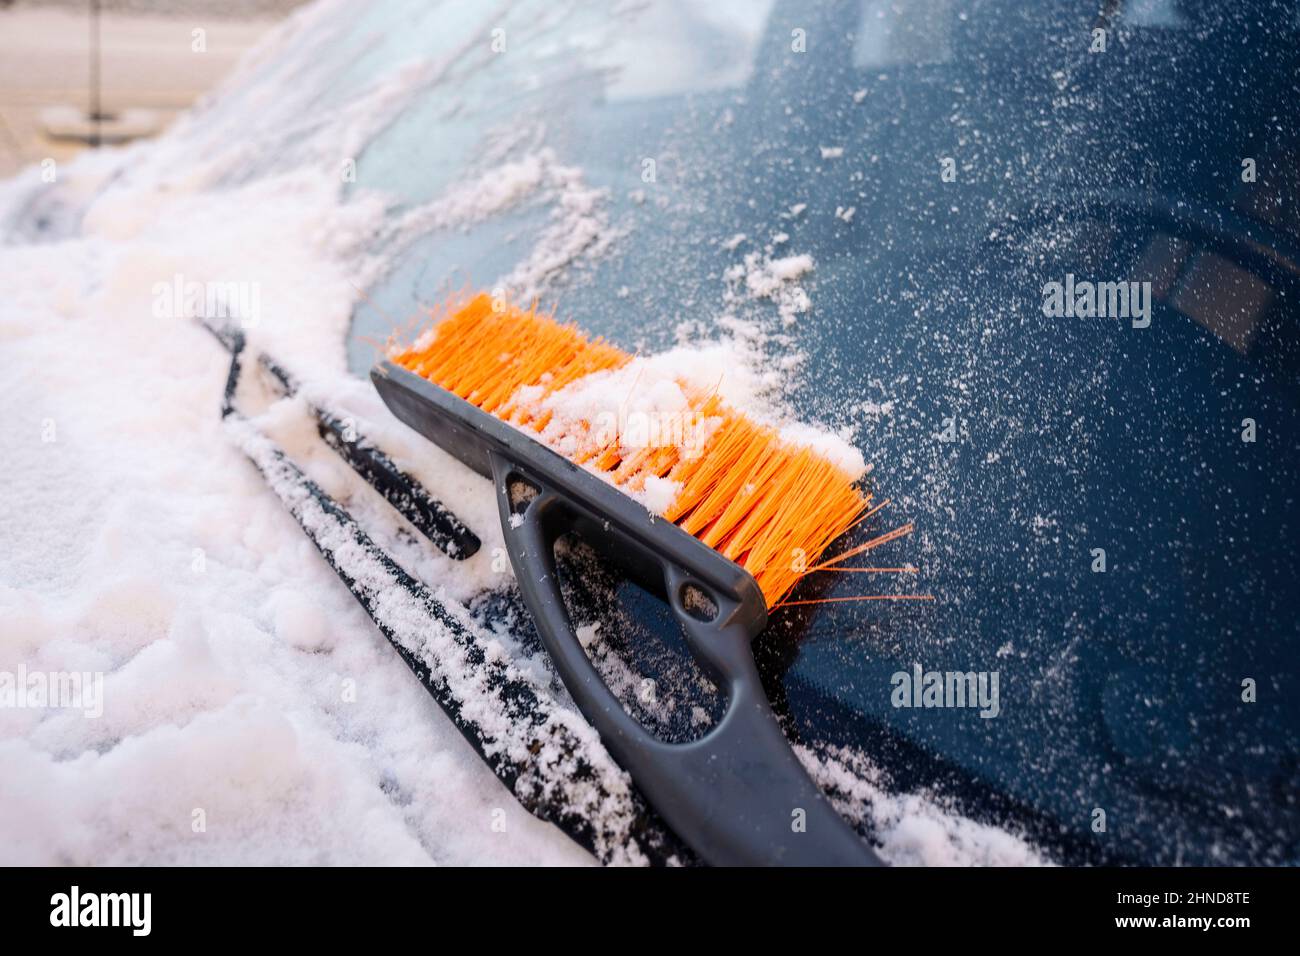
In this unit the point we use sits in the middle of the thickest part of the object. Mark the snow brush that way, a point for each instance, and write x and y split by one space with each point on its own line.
750 515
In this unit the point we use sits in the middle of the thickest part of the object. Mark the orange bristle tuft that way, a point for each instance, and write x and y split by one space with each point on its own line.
771 506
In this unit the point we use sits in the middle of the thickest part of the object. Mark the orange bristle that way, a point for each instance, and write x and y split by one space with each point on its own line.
771 506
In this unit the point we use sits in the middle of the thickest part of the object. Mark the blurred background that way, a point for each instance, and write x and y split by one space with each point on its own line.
73 71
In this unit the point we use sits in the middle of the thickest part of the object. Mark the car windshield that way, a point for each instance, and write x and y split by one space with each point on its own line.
1038 263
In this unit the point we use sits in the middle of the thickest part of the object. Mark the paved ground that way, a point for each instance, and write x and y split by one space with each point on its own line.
147 60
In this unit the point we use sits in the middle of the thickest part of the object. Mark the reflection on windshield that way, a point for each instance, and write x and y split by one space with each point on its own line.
891 33
683 47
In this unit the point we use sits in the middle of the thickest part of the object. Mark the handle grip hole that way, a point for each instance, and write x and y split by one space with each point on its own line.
637 645
698 603
521 493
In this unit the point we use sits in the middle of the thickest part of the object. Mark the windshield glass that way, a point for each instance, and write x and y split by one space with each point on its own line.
1039 264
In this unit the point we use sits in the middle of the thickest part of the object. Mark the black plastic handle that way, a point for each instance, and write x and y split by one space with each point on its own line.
739 795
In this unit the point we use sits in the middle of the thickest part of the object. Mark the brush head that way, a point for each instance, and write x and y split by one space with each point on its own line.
770 505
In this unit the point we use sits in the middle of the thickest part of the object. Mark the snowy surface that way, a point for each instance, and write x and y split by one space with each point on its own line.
242 679
252 712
